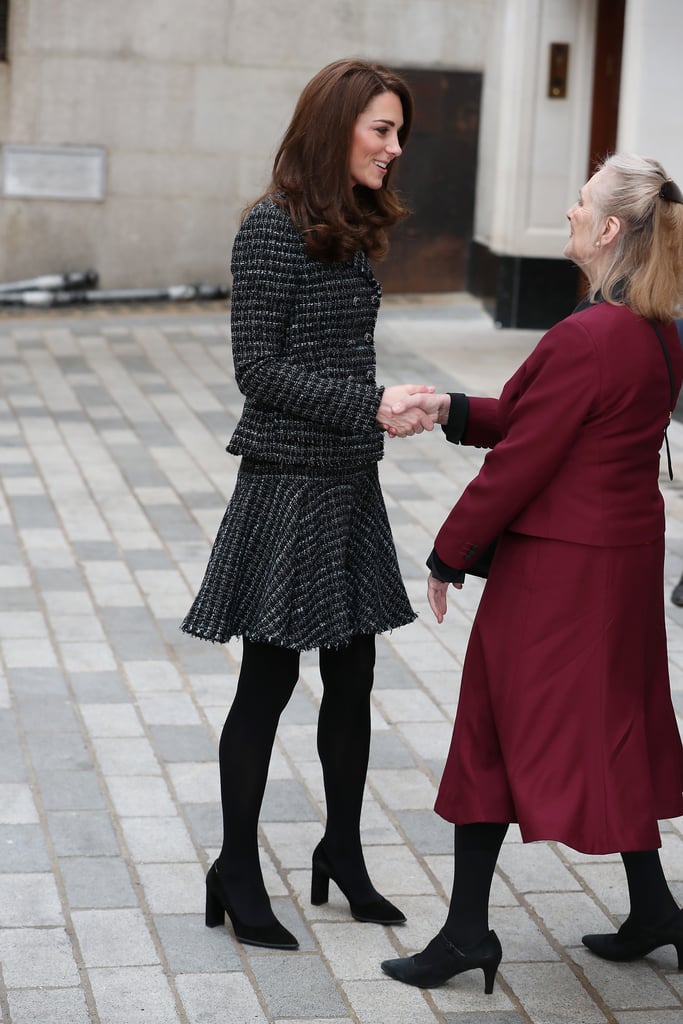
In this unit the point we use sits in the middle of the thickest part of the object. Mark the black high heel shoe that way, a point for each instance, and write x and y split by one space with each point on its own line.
270 936
441 960
635 940
379 911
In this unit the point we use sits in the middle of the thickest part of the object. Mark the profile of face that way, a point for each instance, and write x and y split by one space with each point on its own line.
582 247
374 143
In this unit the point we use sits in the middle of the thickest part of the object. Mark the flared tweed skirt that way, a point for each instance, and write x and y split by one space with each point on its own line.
303 559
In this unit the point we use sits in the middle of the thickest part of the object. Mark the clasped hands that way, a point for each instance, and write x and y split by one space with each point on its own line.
408 409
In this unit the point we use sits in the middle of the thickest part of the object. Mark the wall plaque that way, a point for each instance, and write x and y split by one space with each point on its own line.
54 172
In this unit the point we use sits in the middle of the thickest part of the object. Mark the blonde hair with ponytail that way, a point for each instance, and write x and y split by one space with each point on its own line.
646 272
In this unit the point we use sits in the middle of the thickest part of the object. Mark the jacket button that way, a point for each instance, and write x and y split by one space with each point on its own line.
356 300
375 300
368 337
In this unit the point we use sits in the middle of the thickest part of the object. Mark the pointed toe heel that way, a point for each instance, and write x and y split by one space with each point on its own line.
379 911
441 960
634 941
268 936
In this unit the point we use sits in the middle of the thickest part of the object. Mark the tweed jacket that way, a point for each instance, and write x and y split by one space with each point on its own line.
303 349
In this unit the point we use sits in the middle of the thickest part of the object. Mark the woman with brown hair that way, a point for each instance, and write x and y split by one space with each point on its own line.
304 557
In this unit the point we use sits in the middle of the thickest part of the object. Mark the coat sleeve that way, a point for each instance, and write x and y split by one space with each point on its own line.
544 405
267 266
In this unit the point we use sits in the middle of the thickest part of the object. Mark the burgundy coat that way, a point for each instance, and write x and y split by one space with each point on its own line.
565 722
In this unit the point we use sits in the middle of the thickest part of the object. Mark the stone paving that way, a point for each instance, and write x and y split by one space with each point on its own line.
114 478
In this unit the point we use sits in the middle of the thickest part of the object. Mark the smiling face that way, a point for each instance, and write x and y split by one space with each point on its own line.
375 140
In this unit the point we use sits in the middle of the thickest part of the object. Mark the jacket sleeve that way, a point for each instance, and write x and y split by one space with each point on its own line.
545 402
268 262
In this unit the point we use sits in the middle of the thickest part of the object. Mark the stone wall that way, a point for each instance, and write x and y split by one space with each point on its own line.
188 102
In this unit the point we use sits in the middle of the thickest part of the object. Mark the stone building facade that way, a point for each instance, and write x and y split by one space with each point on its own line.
133 134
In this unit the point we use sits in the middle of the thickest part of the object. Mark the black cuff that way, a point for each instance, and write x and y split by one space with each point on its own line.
442 572
455 427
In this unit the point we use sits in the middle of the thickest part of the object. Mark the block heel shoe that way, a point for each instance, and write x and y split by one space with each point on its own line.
441 960
634 941
268 936
379 911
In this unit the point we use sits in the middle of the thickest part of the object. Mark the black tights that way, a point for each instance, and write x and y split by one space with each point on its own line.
267 678
476 851
651 900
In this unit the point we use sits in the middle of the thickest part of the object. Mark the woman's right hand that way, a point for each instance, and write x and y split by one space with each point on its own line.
403 415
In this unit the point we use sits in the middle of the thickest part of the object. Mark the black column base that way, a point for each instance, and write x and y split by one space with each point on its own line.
521 291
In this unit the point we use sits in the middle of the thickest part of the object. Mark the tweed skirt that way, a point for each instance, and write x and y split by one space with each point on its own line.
303 558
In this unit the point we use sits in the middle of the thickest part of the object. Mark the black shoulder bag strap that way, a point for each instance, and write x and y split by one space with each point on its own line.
671 388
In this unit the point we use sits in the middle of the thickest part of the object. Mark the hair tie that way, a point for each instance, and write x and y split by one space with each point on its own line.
670 191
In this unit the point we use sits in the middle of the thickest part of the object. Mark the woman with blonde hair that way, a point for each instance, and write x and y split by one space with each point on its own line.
565 723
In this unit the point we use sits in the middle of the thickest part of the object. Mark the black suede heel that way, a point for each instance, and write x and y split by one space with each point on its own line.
269 936
379 911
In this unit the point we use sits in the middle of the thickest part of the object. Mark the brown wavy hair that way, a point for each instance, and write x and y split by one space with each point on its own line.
311 169
646 272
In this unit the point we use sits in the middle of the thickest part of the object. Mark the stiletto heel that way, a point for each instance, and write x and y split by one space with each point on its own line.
379 911
269 936
633 940
441 960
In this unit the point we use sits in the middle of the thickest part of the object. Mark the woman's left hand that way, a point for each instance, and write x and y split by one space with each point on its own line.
436 595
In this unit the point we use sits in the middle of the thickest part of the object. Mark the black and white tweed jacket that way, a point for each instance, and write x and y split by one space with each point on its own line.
303 349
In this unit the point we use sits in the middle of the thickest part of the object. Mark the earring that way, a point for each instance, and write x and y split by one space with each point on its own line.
597 244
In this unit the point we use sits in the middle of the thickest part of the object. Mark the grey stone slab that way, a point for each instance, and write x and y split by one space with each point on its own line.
183 743
82 833
58 579
137 646
196 657
12 766
22 848
410 568
18 599
300 710
410 491
96 882
58 751
388 750
40 955
393 674
131 620
287 800
206 824
484 1018
133 995
175 527
45 713
303 988
426 831
203 499
48 1006
99 688
148 559
70 790
192 948
46 681
96 551
34 511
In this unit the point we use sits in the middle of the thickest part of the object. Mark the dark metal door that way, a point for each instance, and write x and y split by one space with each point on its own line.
436 175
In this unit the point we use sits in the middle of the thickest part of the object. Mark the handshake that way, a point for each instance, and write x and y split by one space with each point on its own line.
408 409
